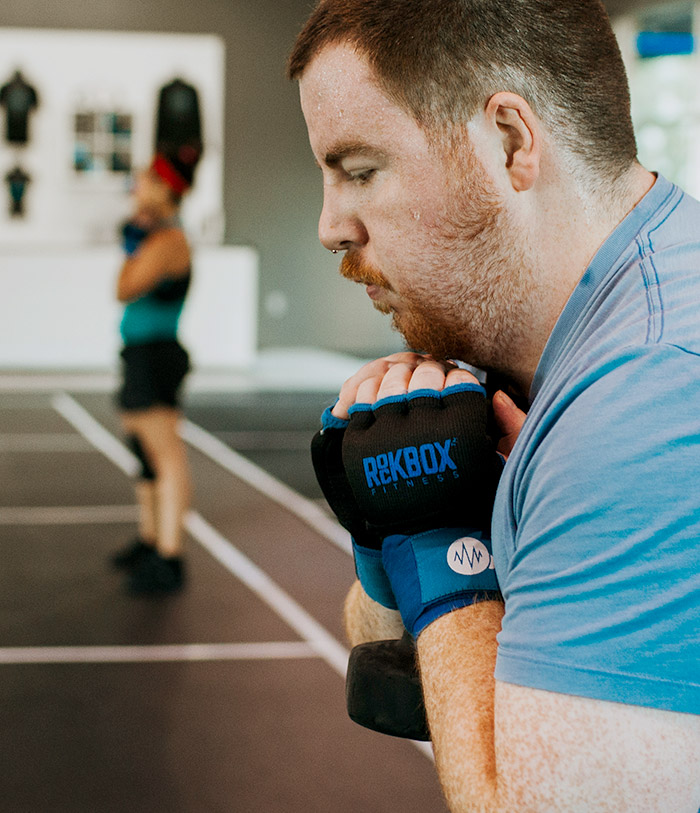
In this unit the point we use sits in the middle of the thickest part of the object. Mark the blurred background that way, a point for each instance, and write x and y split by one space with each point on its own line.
228 696
264 281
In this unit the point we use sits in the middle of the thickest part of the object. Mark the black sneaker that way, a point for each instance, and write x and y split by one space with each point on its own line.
129 556
156 574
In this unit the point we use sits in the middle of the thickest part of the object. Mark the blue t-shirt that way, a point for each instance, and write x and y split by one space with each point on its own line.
596 529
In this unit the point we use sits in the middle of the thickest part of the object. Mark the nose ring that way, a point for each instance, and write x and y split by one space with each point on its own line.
334 251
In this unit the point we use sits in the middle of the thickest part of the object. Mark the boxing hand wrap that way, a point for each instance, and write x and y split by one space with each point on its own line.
369 567
422 460
421 467
436 572
326 456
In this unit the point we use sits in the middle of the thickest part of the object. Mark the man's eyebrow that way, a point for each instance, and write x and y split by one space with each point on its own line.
334 156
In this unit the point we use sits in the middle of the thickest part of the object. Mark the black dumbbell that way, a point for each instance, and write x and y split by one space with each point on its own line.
383 691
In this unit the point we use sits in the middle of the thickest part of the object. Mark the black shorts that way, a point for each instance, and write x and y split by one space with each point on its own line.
152 375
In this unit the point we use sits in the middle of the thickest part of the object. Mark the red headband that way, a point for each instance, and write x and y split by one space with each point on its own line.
165 170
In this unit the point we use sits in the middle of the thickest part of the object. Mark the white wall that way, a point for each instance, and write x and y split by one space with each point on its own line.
107 71
58 263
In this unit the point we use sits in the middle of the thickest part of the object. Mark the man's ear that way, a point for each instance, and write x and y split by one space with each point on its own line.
520 135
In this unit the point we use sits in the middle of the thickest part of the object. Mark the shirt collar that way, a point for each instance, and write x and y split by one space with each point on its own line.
603 263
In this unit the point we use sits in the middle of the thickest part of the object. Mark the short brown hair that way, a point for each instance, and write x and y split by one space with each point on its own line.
443 59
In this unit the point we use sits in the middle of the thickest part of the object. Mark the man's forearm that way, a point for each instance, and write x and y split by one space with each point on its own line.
457 655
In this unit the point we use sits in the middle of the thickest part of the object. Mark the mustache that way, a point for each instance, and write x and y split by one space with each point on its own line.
355 269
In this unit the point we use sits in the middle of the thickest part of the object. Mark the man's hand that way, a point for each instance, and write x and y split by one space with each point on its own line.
510 421
365 383
386 376
420 458
408 421
365 619
395 375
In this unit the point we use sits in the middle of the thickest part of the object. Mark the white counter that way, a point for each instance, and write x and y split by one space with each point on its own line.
57 308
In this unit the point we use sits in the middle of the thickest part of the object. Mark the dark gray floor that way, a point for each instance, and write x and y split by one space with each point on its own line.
273 429
242 735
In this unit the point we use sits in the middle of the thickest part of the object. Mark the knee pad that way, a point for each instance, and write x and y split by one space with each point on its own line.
135 445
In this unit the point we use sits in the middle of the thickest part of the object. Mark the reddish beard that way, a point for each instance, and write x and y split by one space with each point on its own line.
357 270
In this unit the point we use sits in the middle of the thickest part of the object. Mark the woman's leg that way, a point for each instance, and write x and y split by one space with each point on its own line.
164 500
146 498
144 487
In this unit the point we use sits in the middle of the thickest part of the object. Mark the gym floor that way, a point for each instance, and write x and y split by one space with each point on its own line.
226 697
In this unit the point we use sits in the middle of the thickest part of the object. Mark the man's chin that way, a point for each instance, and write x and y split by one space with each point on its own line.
382 307
424 336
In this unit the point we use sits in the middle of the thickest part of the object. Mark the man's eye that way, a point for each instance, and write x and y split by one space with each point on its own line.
363 176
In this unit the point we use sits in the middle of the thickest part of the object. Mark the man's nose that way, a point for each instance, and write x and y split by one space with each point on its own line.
339 226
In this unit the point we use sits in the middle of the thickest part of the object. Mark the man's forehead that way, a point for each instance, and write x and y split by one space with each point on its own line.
339 82
337 66
344 105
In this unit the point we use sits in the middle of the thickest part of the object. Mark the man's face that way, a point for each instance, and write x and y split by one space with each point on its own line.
424 228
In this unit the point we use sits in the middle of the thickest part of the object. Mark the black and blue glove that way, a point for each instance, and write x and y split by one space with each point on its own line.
327 459
423 473
403 476
413 479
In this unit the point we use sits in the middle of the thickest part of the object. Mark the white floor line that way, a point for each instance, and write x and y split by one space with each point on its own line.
277 650
93 431
272 369
268 485
68 515
49 381
269 591
257 580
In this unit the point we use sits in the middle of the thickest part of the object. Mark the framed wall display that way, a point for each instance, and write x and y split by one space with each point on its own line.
102 141
96 126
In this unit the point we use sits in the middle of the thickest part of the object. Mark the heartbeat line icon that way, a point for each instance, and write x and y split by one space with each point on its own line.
468 556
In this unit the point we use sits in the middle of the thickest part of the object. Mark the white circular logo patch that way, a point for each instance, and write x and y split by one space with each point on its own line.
468 556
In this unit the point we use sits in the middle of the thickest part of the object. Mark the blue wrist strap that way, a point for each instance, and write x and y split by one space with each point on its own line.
370 571
438 571
410 396
329 421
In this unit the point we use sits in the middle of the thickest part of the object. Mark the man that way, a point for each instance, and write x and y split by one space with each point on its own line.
480 174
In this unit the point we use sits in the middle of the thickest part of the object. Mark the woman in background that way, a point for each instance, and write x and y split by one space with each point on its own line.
153 282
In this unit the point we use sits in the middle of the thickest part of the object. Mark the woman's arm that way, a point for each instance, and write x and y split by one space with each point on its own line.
162 254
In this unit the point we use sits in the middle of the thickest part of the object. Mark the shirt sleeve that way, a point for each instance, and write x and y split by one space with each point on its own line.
603 588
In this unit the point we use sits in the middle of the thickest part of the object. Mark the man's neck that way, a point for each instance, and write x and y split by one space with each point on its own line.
567 232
